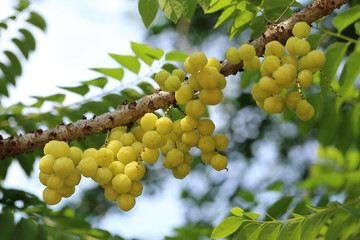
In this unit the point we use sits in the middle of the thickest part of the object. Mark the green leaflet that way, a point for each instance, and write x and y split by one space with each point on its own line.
204 4
241 23
217 5
346 18
259 25
148 10
226 15
313 224
97 82
131 94
25 229
177 56
291 230
336 53
329 120
237 211
350 72
37 20
226 227
270 231
81 90
6 224
279 208
15 66
29 38
189 7
357 28
23 47
146 87
250 232
116 73
172 9
146 53
129 62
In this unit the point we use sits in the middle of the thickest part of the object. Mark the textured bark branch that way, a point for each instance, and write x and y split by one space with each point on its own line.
282 31
129 113
122 116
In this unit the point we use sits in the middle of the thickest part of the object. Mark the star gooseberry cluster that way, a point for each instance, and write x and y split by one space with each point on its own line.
281 73
119 165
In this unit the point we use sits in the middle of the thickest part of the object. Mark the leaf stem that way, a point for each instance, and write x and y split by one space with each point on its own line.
338 35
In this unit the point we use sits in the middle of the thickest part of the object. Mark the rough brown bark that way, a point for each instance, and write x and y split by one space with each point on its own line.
129 113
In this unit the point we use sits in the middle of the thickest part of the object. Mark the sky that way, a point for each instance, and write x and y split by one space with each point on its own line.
79 36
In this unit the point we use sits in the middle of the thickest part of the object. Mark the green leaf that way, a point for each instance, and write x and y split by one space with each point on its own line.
258 25
226 15
251 215
29 38
291 230
336 53
346 18
52 98
237 211
4 165
146 53
113 99
97 108
172 9
248 77
69 223
146 87
279 208
226 227
357 28
97 82
116 73
240 23
22 5
329 120
81 90
148 10
97 233
130 94
169 67
6 224
189 7
15 63
270 231
250 232
8 74
25 229
3 25
218 5
129 62
22 47
317 209
350 72
204 4
354 211
177 56
279 4
313 224
37 20
314 40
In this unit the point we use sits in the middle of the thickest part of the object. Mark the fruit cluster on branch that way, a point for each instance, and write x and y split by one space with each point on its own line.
127 114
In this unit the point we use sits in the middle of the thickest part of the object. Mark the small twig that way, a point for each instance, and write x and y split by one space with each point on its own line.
299 88
282 14
168 110
329 85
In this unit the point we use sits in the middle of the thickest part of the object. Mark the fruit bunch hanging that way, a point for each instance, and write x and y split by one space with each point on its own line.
119 165
283 76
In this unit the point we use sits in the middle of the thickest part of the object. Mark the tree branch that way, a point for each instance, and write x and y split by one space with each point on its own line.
129 113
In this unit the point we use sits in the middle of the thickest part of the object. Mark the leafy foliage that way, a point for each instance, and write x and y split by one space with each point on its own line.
12 68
